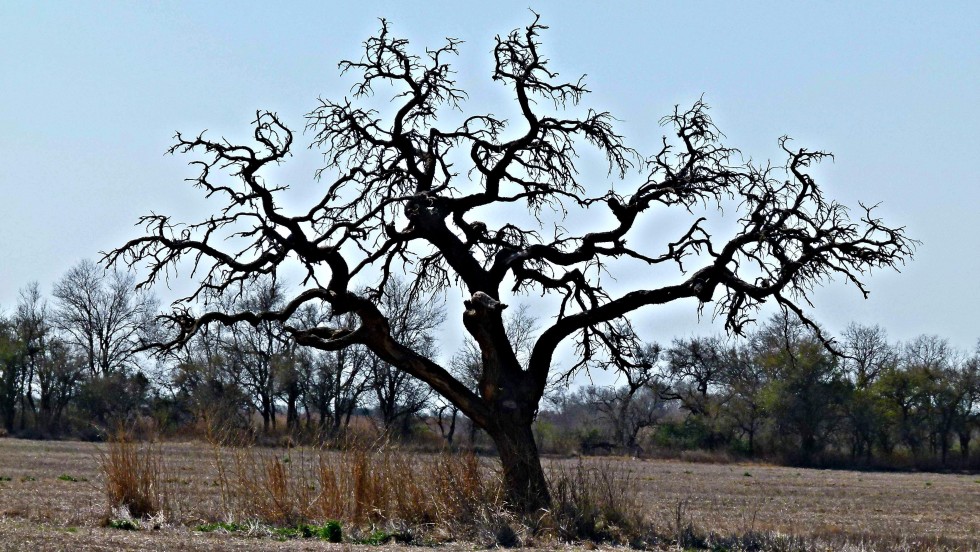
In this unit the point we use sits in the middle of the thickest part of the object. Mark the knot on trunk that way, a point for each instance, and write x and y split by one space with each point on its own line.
480 301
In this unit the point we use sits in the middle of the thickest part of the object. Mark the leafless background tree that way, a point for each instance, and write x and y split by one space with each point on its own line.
103 317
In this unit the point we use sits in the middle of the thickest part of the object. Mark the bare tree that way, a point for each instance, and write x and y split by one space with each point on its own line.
103 317
52 373
696 374
637 403
967 419
745 382
868 355
398 396
12 364
259 357
481 203
696 368
201 378
331 383
337 382
933 366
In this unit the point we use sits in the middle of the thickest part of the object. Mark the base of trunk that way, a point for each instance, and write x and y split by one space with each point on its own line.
525 486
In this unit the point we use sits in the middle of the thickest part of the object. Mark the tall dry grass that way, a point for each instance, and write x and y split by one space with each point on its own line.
446 496
448 493
596 501
134 477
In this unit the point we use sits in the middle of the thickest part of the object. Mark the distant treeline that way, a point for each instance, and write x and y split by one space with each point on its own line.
781 394
71 366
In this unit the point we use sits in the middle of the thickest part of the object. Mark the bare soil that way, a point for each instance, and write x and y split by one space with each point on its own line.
869 506
51 498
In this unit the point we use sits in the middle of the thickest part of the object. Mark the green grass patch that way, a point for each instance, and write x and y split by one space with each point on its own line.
4 478
71 478
123 524
379 537
330 532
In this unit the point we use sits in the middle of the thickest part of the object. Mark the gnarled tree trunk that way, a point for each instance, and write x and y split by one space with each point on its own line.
524 482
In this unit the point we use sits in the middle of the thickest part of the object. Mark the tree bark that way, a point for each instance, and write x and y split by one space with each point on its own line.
267 415
292 413
525 486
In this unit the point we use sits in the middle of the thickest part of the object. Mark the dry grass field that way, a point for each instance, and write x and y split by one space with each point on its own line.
52 498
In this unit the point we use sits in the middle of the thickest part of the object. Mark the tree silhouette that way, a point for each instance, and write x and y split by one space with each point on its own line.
481 204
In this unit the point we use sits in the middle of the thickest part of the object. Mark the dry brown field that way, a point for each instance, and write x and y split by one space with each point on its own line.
51 498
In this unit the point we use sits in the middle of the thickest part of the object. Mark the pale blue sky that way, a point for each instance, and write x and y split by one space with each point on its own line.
91 94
